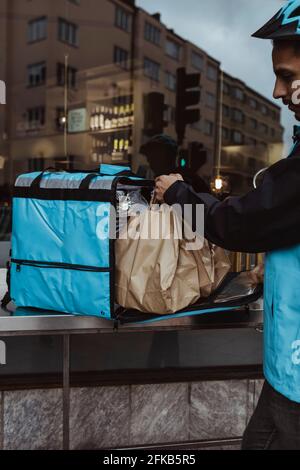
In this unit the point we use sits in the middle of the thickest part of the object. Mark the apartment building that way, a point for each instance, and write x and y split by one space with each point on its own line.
251 132
116 54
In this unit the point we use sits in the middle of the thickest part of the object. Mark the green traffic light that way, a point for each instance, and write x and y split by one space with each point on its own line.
182 162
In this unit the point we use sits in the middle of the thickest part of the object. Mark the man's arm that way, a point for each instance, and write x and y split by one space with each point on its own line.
265 219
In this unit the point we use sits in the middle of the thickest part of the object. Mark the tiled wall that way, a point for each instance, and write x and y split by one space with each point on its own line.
128 415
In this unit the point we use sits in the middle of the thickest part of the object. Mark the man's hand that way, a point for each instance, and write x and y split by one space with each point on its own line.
164 182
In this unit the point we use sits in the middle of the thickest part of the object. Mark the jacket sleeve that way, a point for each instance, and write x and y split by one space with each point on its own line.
265 219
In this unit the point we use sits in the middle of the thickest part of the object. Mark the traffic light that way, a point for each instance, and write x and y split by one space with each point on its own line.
186 97
194 157
154 106
197 155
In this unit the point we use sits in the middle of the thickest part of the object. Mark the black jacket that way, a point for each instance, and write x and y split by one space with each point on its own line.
265 219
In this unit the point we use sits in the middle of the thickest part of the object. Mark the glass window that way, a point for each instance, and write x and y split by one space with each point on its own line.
123 19
197 61
67 32
225 133
212 73
210 100
60 75
208 128
121 57
173 49
226 110
226 88
253 103
237 137
152 34
60 119
238 94
237 115
151 69
35 117
263 128
170 81
264 109
253 123
36 74
37 29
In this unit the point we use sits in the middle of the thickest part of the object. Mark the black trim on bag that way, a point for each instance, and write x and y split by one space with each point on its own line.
62 194
126 316
50 264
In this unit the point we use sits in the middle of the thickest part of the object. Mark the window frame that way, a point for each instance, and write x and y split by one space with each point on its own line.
43 66
178 47
72 28
124 64
156 64
154 36
121 14
35 22
167 82
197 55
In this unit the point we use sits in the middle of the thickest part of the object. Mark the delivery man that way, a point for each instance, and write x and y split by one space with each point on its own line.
268 220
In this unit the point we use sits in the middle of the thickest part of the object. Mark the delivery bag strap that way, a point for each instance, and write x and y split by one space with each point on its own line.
91 174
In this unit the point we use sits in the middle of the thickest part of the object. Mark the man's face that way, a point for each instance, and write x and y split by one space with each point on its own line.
286 66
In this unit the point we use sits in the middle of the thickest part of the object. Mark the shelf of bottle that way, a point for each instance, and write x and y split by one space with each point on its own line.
111 131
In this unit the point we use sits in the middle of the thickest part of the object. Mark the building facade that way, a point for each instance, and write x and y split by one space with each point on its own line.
102 57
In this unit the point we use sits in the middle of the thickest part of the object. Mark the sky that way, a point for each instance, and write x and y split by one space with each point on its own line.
223 29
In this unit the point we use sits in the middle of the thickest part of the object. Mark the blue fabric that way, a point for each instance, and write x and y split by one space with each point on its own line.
282 321
63 290
282 315
112 169
62 231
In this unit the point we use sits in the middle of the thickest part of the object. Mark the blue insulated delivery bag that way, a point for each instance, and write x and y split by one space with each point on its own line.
62 256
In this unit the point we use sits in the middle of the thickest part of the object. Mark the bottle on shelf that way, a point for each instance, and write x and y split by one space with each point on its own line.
102 119
121 145
114 123
108 118
121 117
127 116
116 145
97 119
92 120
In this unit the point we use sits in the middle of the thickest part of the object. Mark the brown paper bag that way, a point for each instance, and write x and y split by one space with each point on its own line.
156 273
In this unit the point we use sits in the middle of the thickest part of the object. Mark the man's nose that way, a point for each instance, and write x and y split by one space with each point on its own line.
280 90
